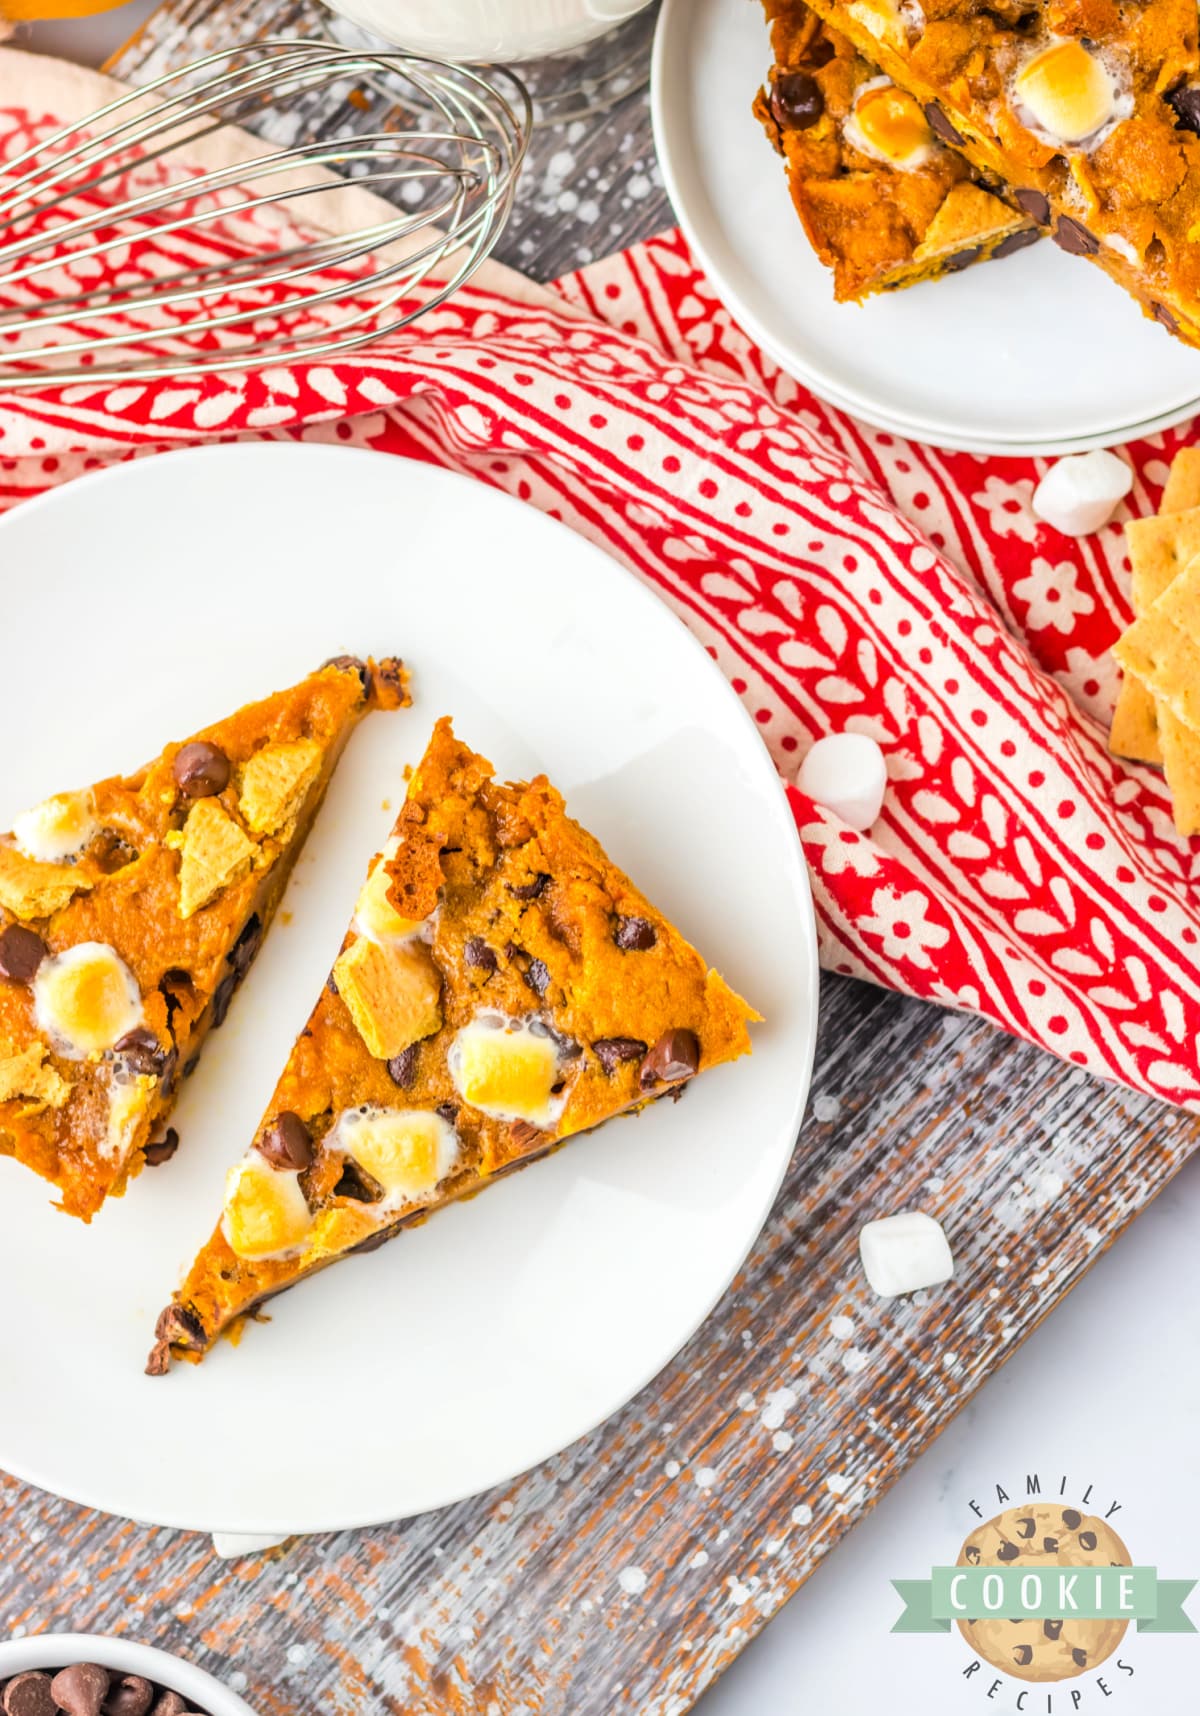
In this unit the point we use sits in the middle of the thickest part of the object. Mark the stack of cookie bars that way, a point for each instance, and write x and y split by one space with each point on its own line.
921 135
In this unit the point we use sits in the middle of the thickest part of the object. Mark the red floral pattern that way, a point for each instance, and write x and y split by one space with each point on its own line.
841 577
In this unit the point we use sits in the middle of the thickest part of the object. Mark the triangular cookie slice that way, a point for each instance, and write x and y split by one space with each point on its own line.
502 987
129 913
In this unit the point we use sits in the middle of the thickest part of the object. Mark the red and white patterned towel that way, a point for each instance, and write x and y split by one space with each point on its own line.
842 579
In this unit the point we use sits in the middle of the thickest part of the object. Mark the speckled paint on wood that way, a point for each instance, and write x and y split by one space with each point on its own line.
629 1571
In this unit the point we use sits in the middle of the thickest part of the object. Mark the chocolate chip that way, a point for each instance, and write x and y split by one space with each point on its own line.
676 1055
390 673
1184 102
141 1051
160 1359
941 125
567 1047
402 1068
169 1704
245 948
1022 1655
634 935
448 1112
287 1142
162 1149
1035 205
479 955
1071 1519
179 1325
131 1696
1079 1657
964 259
1049 1546
373 1242
1007 1552
21 953
523 1134
1163 316
1052 1629
356 1183
201 769
81 1689
351 664
531 890
1016 241
29 1695
973 1555
222 996
796 101
612 1051
1087 1540
1071 236
537 976
1026 1526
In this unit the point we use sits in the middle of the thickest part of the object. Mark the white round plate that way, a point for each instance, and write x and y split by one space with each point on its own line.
984 448
1019 356
162 594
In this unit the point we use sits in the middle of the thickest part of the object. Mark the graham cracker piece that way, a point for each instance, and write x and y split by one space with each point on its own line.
394 995
32 889
1183 484
215 853
1167 661
968 215
1158 550
1181 764
274 783
1163 647
26 1077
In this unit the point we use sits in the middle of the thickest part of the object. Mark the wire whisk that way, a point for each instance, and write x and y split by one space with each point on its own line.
138 243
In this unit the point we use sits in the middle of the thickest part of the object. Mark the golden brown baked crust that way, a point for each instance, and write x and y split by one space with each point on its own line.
510 935
149 926
1088 109
884 202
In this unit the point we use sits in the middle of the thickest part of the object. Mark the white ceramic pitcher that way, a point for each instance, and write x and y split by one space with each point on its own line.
488 29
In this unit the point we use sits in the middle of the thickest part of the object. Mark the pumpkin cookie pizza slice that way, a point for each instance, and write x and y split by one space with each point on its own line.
884 202
502 987
130 912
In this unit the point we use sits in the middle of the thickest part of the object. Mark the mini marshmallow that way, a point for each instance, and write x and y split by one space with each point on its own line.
1081 493
1067 92
232 1546
903 1253
888 125
846 772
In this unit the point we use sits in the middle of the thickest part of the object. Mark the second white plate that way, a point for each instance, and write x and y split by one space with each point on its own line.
1036 354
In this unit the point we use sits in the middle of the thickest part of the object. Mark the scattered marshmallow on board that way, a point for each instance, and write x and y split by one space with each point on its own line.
1080 493
847 773
232 1546
903 1253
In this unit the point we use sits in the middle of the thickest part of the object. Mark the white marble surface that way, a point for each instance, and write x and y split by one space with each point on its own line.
1106 1393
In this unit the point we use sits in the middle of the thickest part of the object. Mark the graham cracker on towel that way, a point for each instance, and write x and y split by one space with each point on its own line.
1136 730
1163 648
1159 549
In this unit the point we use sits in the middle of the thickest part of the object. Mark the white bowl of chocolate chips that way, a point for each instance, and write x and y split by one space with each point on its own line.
84 1674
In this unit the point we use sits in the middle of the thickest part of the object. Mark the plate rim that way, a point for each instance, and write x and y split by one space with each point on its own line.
926 431
332 1520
